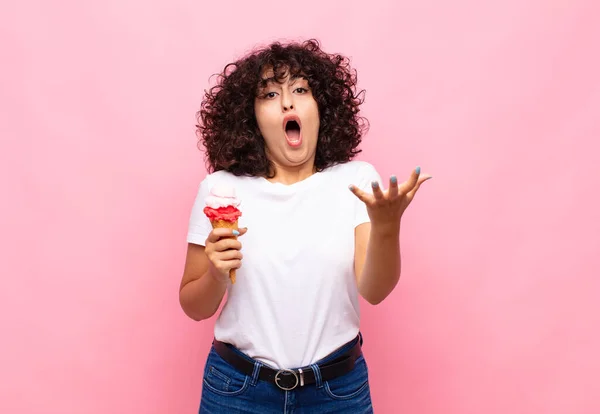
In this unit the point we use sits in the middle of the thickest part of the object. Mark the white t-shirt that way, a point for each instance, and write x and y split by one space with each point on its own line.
295 298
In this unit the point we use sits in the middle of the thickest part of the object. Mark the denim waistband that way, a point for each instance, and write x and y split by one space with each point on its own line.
335 354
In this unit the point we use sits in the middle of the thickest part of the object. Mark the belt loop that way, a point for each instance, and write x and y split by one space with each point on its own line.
255 373
318 378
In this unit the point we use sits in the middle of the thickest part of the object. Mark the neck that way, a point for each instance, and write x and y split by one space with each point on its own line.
291 175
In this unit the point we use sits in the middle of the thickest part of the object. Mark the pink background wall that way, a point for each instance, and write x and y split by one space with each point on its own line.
498 308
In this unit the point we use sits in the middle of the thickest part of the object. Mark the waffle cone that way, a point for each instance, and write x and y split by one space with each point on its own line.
223 224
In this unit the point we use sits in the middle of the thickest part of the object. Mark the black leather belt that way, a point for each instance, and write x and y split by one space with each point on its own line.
288 379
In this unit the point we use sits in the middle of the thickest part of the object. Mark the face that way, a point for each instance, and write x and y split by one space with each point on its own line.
288 119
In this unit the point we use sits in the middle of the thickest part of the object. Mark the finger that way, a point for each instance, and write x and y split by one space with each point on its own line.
363 196
393 191
224 266
412 181
411 193
229 255
377 193
227 244
219 233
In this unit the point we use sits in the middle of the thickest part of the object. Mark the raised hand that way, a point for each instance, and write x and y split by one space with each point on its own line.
385 207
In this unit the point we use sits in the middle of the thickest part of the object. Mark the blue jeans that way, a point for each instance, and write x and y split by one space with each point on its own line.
225 390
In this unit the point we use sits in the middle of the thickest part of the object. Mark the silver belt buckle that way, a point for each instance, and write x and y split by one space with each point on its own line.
281 371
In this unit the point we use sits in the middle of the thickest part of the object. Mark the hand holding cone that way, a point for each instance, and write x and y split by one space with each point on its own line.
222 211
224 224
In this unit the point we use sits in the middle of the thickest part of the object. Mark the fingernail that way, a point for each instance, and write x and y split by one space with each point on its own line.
236 233
375 184
394 180
418 170
350 187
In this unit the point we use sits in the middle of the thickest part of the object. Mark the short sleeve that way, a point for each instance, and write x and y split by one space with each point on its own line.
366 174
199 225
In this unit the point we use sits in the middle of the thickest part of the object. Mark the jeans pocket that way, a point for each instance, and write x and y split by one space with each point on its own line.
221 378
355 384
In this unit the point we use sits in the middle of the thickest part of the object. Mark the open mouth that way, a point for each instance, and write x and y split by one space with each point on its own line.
292 132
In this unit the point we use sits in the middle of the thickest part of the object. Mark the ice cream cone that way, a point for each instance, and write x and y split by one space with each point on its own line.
223 213
224 224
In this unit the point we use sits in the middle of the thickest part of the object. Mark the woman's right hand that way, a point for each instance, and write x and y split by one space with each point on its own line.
223 252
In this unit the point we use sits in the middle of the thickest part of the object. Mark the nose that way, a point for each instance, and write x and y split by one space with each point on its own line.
286 102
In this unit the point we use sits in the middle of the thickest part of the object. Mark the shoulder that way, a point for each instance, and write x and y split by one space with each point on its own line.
354 168
223 177
354 165
217 175
220 178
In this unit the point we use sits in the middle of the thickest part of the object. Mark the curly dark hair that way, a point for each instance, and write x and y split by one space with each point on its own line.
227 125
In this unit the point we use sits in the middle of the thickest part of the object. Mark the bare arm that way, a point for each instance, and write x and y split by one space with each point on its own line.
377 244
206 273
200 294
377 262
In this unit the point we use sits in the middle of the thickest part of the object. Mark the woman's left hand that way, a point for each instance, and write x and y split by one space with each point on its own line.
385 208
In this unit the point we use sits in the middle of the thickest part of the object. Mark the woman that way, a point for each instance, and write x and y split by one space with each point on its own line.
282 128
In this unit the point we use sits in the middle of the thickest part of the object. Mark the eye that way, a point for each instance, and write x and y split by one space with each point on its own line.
270 95
301 90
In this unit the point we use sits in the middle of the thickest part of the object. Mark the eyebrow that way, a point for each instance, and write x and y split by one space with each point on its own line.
263 83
